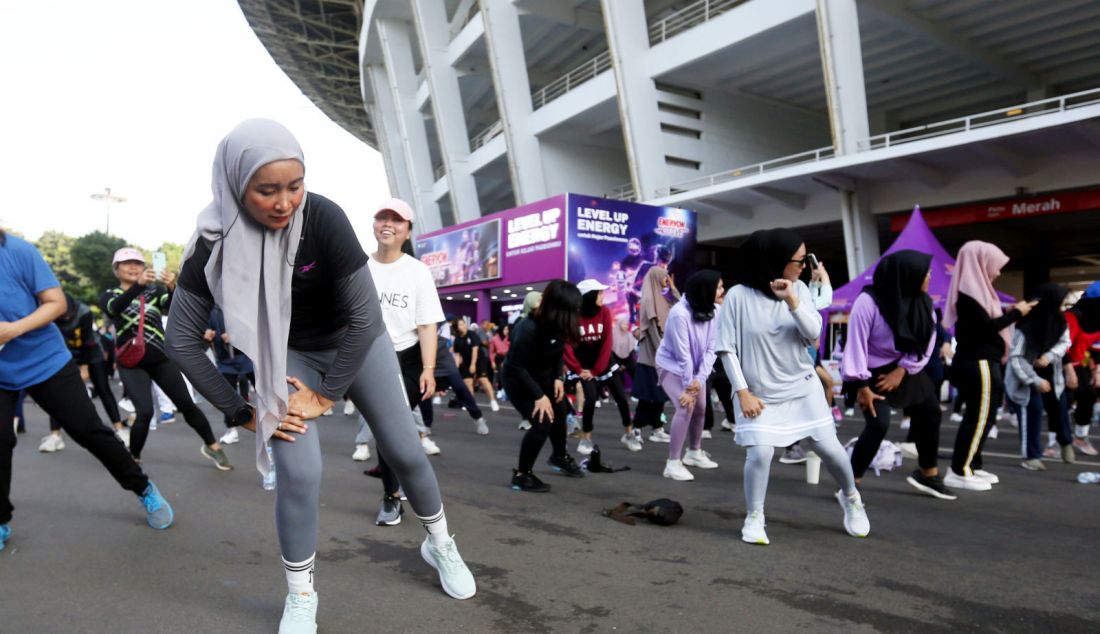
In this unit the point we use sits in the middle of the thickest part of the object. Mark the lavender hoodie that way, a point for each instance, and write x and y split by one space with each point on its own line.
687 349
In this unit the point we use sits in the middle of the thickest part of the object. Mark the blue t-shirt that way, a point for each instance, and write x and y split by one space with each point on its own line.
39 354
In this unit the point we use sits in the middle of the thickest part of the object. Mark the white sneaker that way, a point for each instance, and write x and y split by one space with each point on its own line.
299 614
429 446
482 427
436 400
126 404
494 405
905 422
707 435
349 408
51 443
982 474
599 404
752 531
631 441
968 483
230 437
327 412
124 435
727 425
361 453
675 470
524 425
500 395
851 411
699 458
908 450
855 515
956 418
584 447
659 435
993 432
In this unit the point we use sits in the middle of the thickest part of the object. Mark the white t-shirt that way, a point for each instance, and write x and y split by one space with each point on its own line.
408 297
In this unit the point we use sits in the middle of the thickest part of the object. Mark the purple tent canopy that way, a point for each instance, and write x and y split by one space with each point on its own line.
916 236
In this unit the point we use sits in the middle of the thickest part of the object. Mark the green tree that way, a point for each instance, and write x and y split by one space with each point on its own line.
56 249
91 256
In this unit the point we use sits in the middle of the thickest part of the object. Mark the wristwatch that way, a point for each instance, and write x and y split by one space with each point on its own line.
243 415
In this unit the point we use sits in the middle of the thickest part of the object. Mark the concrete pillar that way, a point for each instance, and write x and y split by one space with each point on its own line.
433 32
513 90
484 306
389 144
842 67
396 43
628 41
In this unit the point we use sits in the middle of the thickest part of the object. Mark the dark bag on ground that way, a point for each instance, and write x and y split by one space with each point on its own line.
662 512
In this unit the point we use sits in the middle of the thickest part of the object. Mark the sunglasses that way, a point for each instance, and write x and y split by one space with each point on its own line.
809 260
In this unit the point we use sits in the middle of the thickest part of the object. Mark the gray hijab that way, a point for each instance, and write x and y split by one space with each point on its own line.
250 266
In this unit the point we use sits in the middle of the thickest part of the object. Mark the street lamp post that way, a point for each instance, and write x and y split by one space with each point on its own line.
107 197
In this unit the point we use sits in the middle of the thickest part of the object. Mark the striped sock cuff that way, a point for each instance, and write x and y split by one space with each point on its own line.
431 520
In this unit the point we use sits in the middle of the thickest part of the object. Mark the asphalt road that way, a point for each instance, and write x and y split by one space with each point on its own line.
1022 558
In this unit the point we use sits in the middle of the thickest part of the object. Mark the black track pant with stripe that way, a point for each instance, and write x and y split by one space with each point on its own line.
981 386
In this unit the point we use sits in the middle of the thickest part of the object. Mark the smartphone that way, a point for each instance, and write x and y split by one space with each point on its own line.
160 262
811 261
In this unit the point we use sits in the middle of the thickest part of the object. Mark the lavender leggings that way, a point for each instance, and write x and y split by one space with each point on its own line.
684 420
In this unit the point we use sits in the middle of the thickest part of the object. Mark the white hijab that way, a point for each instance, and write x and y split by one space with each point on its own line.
250 266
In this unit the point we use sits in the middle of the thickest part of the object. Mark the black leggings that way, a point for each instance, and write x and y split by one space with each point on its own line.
97 372
981 387
924 429
536 437
592 389
1085 395
241 383
411 366
139 384
718 382
63 396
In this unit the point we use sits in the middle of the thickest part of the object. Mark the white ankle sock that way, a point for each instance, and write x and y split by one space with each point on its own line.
299 575
1081 431
436 525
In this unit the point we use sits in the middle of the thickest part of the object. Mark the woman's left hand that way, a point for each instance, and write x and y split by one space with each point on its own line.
1042 361
427 383
305 403
169 279
559 390
8 331
890 382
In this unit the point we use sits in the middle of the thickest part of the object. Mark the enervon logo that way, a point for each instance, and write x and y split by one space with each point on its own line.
1025 209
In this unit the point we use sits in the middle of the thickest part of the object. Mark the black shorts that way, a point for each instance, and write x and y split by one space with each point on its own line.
484 370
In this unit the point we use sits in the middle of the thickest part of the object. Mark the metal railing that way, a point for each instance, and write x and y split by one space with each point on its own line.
486 135
755 169
900 137
622 192
691 15
571 80
982 120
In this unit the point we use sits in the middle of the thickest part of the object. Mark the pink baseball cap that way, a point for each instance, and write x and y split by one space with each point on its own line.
125 254
399 207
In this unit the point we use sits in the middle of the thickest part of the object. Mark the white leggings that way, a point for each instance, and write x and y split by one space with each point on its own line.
758 461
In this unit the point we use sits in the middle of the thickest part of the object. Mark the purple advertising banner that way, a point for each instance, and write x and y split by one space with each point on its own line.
463 256
617 242
531 245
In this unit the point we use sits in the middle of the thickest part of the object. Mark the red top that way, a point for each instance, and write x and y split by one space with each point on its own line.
1081 341
593 353
498 346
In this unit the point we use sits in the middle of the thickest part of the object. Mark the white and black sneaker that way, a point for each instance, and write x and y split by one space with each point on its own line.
391 511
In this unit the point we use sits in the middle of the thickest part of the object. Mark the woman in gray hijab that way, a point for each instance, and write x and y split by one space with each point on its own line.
292 280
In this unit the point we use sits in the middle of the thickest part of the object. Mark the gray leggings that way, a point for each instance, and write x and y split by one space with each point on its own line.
379 394
758 462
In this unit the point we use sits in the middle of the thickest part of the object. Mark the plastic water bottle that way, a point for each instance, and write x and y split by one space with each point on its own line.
1089 477
269 479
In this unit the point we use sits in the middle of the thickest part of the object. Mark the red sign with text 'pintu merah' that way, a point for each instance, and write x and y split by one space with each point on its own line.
1006 208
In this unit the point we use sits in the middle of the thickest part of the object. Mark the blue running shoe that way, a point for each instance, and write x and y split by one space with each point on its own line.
167 418
158 513
299 614
5 534
456 578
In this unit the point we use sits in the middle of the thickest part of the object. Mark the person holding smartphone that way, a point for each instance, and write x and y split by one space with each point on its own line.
138 300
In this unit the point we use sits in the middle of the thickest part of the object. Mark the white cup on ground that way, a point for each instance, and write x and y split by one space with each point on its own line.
813 468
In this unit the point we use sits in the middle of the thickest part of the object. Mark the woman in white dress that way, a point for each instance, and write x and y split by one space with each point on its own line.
766 323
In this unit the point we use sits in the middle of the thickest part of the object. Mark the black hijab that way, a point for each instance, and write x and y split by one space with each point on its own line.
589 307
1087 311
700 290
1044 325
896 290
763 257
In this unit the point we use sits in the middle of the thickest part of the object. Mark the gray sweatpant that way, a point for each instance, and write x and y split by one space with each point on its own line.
379 394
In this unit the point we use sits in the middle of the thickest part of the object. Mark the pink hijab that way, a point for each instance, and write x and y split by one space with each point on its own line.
979 263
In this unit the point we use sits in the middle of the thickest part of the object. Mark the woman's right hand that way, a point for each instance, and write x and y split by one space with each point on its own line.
1025 307
1044 386
544 411
687 400
866 399
148 276
751 406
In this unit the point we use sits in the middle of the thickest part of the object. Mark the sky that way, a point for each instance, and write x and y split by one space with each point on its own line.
135 96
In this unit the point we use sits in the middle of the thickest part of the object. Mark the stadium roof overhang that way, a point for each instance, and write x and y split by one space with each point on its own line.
316 43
